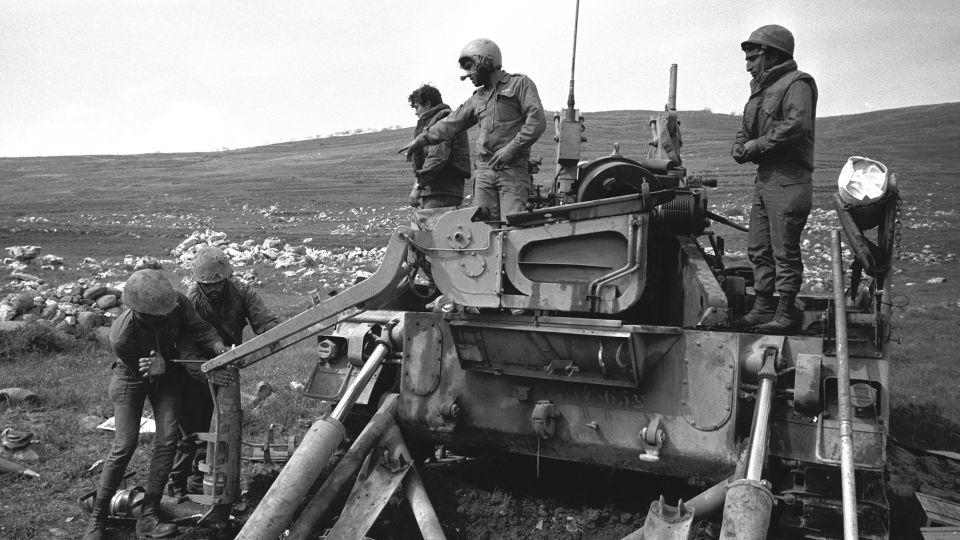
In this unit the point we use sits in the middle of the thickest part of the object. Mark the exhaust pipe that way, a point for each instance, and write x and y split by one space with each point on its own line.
313 513
746 511
288 491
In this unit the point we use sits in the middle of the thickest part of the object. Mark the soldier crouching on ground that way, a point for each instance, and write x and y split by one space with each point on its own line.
228 306
440 168
157 325
508 109
777 134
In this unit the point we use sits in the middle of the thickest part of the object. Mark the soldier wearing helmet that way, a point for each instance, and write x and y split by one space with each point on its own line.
227 305
507 107
777 134
157 327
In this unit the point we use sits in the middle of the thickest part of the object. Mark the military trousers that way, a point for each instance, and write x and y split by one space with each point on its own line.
129 391
782 198
439 201
504 191
196 413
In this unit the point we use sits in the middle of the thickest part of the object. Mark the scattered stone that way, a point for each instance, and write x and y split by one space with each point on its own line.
50 309
297 386
147 263
23 303
51 260
23 253
88 320
937 280
7 312
106 301
94 292
263 390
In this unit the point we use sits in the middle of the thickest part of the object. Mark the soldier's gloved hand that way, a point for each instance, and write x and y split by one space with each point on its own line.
415 198
751 150
221 377
414 145
737 153
502 157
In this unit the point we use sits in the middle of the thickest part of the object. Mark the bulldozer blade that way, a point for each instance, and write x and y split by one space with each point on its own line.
665 522
382 473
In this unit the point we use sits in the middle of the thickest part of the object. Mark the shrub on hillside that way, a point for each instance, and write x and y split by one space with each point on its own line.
33 338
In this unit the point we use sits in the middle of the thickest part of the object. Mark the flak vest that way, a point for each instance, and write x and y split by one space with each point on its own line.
764 110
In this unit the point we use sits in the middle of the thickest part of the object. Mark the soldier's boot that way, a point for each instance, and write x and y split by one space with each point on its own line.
764 308
787 320
150 525
177 489
97 529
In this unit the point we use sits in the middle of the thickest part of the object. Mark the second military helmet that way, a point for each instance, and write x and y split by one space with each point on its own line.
149 292
211 265
771 35
483 52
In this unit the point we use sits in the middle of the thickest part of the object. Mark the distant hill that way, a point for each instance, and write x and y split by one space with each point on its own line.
921 143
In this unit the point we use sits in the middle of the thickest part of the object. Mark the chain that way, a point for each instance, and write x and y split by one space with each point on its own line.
538 456
897 235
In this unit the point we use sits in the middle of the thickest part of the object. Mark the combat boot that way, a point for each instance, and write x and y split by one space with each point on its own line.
764 308
97 529
150 525
787 320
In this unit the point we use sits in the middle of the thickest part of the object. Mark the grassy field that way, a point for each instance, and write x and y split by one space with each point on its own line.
349 191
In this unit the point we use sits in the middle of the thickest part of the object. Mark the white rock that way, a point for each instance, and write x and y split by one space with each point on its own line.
937 280
51 260
24 253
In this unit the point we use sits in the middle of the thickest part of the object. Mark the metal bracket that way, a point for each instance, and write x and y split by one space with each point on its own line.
544 418
651 439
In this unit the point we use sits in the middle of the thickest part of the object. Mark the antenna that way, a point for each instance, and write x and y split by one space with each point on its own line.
568 125
573 55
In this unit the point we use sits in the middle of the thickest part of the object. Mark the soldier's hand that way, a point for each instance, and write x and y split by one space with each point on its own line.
414 145
221 377
143 364
415 198
737 153
751 150
502 157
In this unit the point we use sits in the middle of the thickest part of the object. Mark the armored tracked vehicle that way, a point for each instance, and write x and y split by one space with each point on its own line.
595 327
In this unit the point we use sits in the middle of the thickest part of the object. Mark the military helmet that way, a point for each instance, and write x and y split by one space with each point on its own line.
483 52
211 265
770 35
149 292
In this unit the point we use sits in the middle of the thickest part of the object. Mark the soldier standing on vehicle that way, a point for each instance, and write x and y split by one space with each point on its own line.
777 134
157 325
440 168
228 306
507 107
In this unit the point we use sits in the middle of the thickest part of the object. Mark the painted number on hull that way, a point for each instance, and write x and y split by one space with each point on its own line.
613 397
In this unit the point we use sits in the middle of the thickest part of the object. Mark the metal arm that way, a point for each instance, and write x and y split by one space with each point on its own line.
388 282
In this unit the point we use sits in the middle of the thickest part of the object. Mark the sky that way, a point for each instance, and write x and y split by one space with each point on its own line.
132 76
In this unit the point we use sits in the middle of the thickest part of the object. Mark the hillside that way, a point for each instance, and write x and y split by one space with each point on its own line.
920 142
